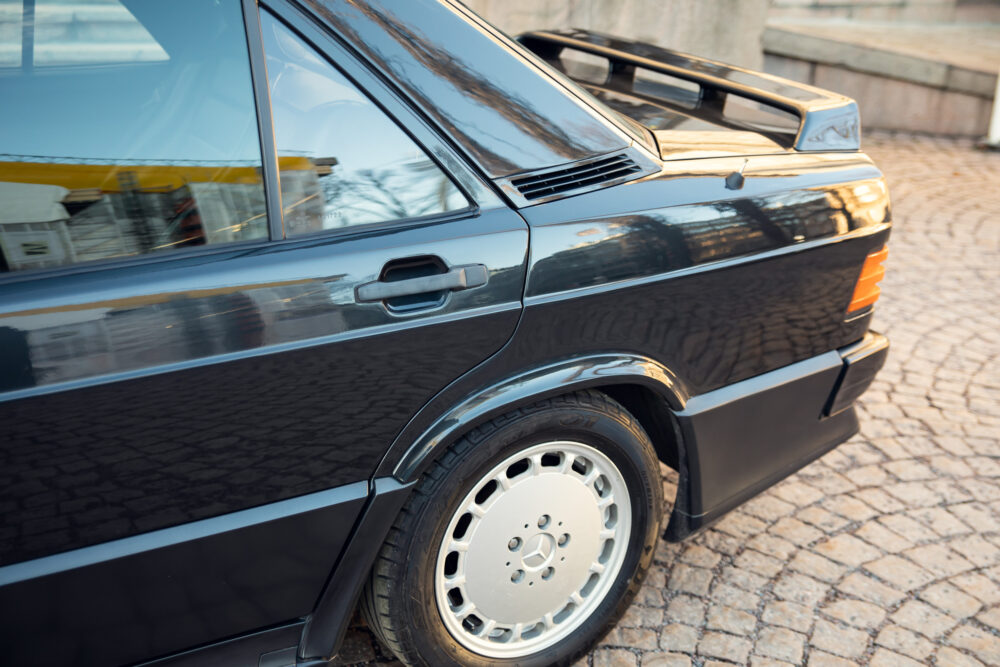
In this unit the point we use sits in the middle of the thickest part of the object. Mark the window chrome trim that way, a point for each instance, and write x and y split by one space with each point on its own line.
247 247
265 123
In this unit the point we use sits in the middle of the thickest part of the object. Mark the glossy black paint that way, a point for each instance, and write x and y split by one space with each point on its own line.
205 395
715 291
577 372
221 379
685 218
154 594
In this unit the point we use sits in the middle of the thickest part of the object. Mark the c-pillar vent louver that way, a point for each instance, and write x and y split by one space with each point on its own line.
577 177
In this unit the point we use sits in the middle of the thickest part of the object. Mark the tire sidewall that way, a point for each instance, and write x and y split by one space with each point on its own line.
618 438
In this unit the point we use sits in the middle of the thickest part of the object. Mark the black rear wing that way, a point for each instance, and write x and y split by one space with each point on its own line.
827 121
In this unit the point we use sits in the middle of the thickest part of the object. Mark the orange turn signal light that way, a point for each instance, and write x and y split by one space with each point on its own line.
866 292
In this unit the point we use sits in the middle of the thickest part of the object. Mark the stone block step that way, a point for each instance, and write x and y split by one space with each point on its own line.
937 78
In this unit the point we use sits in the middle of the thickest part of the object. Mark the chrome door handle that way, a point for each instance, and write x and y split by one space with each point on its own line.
456 279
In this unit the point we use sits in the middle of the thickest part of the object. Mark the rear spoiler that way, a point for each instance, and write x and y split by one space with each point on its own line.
827 121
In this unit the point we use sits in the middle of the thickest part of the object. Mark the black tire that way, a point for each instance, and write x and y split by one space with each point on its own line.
399 602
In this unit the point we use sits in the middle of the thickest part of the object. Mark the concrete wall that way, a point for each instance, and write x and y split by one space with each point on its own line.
726 30
892 104
733 31
938 76
889 10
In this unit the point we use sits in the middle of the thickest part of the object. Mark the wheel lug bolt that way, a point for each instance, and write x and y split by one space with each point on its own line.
548 572
517 576
543 521
514 544
563 539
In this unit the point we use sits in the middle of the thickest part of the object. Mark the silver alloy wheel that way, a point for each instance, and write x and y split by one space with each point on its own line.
533 549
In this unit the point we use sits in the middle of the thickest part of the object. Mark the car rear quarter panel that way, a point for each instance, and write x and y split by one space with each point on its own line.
717 285
711 286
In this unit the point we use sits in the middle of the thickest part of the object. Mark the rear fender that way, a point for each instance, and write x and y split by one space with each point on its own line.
532 386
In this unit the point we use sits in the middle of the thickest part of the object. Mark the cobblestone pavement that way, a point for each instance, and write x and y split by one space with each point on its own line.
887 550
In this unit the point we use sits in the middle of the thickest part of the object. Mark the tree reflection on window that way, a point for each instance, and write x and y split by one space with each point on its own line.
342 161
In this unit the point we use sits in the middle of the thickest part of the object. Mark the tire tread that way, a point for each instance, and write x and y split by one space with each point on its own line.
391 559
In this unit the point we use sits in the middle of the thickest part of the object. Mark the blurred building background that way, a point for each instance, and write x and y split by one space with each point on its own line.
916 65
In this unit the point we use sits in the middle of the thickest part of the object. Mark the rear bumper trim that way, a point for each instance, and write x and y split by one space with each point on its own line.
862 361
745 437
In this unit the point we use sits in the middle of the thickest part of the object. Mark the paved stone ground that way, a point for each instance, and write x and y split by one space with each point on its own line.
887 550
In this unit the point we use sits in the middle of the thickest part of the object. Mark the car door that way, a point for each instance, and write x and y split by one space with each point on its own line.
209 332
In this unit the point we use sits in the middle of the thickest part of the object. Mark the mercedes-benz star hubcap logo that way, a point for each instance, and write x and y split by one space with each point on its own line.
538 551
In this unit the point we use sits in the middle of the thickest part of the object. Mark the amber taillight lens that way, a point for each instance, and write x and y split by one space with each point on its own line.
866 292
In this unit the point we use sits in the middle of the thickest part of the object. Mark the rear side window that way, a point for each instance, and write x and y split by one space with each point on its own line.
342 161
127 127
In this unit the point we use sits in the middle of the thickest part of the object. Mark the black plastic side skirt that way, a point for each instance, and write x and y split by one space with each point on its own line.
747 436
256 650
324 629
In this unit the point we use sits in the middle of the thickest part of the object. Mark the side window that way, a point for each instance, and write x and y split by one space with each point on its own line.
126 127
342 161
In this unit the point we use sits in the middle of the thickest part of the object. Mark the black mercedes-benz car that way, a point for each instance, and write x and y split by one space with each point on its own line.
309 306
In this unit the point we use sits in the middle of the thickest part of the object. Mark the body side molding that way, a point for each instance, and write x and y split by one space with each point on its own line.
246 571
